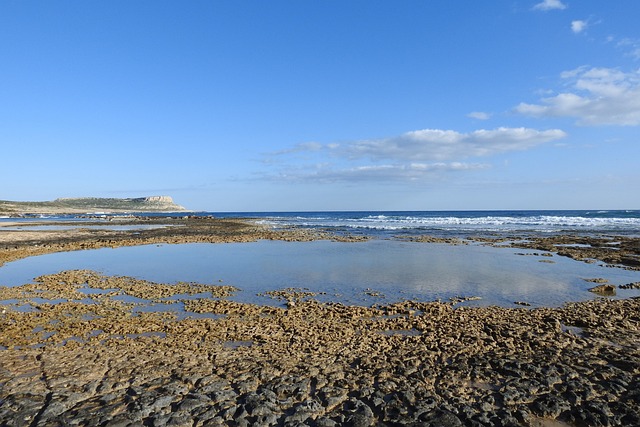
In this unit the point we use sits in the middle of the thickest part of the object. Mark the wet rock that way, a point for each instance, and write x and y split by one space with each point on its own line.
632 261
523 303
633 285
596 280
322 364
607 290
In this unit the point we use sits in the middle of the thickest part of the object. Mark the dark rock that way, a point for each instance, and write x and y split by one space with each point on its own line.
522 415
210 419
424 406
243 422
633 262
20 409
509 421
549 406
634 285
223 395
179 420
160 403
626 365
631 418
161 420
325 422
441 418
378 399
304 411
395 410
229 413
606 290
190 403
122 420
360 414
266 419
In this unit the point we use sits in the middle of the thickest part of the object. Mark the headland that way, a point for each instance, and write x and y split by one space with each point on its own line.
91 205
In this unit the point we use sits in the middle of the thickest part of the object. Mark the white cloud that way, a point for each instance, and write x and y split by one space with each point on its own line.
419 155
631 46
372 173
597 96
441 145
550 5
578 26
302 147
479 115
412 156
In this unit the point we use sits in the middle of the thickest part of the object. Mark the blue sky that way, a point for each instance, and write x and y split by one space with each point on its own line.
323 105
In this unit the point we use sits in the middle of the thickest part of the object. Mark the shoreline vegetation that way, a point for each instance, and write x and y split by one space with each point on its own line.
93 360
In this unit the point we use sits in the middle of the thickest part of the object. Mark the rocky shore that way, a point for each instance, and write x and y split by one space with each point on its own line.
97 357
104 363
612 250
173 230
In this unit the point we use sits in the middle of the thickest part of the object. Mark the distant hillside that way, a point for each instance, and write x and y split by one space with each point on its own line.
93 204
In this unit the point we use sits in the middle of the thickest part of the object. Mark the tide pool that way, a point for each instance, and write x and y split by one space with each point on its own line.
363 273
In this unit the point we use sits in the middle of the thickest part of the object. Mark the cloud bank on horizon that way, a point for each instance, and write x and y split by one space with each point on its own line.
414 154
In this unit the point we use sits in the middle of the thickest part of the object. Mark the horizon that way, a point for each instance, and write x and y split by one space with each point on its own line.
243 106
187 209
433 210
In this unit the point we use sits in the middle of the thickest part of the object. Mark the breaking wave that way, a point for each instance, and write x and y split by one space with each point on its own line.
625 222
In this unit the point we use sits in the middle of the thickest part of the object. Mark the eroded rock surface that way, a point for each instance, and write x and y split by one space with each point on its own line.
615 251
102 363
87 358
21 244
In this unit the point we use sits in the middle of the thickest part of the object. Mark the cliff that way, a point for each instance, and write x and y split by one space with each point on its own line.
93 204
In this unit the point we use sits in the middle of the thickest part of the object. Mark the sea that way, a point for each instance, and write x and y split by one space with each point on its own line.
458 223
462 224
384 269
437 223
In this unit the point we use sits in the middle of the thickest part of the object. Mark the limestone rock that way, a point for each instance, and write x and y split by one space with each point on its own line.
606 290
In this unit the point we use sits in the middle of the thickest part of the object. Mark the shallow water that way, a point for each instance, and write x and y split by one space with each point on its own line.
88 227
365 273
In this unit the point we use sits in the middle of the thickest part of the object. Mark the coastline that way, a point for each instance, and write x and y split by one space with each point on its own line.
106 363
186 228
15 245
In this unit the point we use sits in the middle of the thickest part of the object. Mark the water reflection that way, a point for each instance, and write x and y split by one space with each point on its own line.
378 271
87 227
